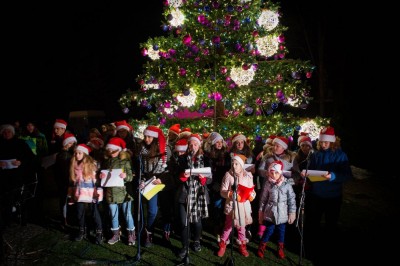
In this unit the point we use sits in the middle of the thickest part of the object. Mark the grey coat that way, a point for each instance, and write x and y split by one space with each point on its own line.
277 202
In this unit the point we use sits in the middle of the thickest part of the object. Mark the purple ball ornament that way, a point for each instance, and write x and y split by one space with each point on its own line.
187 39
274 105
223 70
162 120
215 4
203 106
228 79
125 110
258 112
232 85
144 52
198 73
281 38
186 92
269 111
216 39
259 101
182 72
167 104
308 74
249 110
172 52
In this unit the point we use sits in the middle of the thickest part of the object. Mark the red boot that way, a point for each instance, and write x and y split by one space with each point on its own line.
281 254
261 249
222 248
243 250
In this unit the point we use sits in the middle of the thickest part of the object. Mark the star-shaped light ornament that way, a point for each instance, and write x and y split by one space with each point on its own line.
268 45
241 76
268 19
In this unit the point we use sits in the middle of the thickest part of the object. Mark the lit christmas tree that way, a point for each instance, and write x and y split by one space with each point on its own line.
222 66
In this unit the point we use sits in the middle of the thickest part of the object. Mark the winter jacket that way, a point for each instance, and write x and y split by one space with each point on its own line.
277 201
337 163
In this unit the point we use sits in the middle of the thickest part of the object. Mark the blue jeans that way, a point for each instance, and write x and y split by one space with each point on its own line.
152 209
126 210
270 230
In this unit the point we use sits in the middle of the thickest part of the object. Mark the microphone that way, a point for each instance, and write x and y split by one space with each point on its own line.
309 153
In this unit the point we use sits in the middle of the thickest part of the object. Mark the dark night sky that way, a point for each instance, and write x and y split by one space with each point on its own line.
73 57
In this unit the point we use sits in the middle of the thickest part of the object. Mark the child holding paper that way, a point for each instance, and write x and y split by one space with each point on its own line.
277 207
242 212
192 194
116 197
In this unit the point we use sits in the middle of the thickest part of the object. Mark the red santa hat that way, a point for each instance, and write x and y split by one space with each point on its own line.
284 142
83 148
301 136
181 145
327 134
123 125
195 137
276 166
96 143
238 137
240 158
304 139
69 138
185 133
60 123
116 144
268 141
156 132
176 128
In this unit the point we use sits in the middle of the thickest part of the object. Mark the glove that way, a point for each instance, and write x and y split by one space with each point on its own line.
252 195
102 175
122 175
202 180
292 217
183 178
230 195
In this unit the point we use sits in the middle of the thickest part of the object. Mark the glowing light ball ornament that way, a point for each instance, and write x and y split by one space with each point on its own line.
175 3
311 128
268 19
177 18
268 45
153 54
242 77
139 132
187 100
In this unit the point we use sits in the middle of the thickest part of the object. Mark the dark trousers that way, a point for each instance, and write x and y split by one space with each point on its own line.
93 208
186 231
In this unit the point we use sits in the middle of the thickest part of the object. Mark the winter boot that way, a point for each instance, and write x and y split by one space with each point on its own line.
261 249
99 236
131 238
222 248
148 242
196 246
183 252
243 250
115 238
281 253
81 234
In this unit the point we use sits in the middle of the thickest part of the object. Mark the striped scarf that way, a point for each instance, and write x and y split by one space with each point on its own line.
198 208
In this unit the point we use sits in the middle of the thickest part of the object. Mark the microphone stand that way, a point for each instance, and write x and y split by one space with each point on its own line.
139 212
186 260
300 212
231 260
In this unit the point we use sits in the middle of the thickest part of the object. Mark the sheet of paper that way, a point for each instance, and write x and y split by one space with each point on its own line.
205 171
150 190
112 178
9 164
316 175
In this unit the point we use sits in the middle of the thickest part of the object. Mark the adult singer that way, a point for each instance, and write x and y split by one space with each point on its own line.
193 196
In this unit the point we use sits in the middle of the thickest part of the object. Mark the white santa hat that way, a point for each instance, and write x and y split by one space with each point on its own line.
240 158
276 166
327 134
215 137
60 123
69 138
238 137
83 148
284 142
96 143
